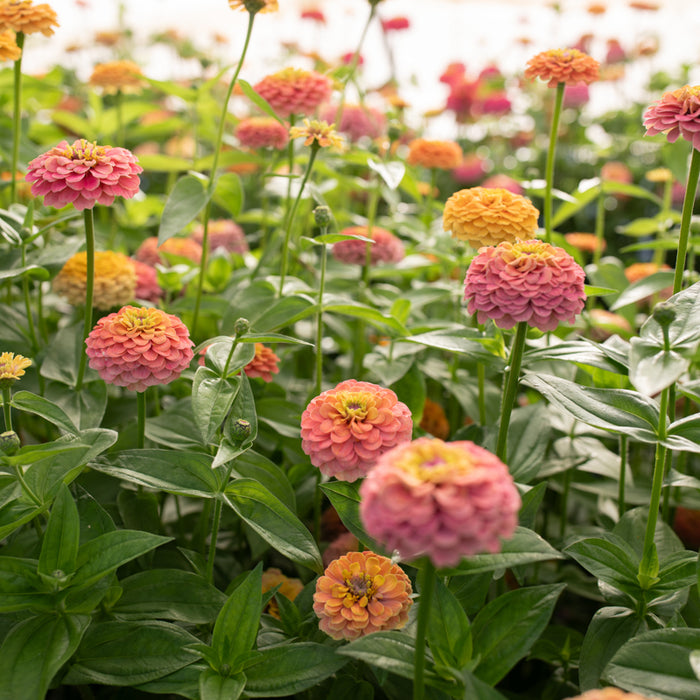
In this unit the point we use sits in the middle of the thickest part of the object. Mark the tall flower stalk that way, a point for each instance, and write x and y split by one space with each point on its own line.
16 117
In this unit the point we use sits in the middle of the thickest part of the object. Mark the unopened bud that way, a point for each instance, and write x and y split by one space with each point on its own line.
664 313
240 429
242 326
9 442
322 216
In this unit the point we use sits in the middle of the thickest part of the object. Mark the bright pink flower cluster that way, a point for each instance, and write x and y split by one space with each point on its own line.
678 114
387 248
345 430
295 91
262 132
83 174
444 500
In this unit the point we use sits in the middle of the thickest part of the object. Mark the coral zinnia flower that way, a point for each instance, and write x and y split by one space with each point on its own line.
261 132
344 430
319 132
288 587
254 6
147 287
264 364
84 174
23 16
568 66
223 233
115 280
361 593
486 216
116 75
586 242
444 155
357 121
9 51
678 113
529 281
395 24
387 248
139 347
149 251
12 368
444 500
294 91
609 693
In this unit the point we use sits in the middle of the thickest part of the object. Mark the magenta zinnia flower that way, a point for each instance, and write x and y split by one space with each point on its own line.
444 500
84 174
678 113
139 347
344 430
294 91
387 248
528 281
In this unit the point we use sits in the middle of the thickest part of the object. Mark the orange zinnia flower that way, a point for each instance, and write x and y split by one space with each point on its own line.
609 694
586 242
23 16
444 155
9 51
319 132
569 66
116 75
288 587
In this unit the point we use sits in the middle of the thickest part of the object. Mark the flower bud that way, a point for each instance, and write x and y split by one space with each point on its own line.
9 442
240 429
242 326
322 216
664 313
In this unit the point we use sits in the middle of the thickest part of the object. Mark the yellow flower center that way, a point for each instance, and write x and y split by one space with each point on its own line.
139 319
433 460
83 150
354 406
359 586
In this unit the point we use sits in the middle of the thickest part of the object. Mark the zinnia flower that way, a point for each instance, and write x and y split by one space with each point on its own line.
357 121
12 368
387 248
585 242
503 182
23 16
261 132
568 66
9 51
319 132
288 587
294 91
264 364
444 500
139 347
361 593
609 693
150 252
395 24
485 216
254 6
434 420
147 287
529 281
313 13
678 113
342 544
470 170
84 174
115 280
116 75
443 155
223 233
344 430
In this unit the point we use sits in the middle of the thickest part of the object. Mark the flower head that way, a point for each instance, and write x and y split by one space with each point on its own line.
503 182
361 593
115 279
294 91
288 587
443 155
12 368
116 75
147 287
313 13
434 420
357 121
317 132
387 248
395 24
223 233
344 430
677 113
9 51
470 170
150 252
529 281
264 364
262 132
486 216
139 347
26 17
446 500
84 174
585 242
254 6
568 66
609 693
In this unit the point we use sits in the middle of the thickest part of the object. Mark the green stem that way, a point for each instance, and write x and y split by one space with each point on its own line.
426 583
230 356
25 486
16 117
28 306
510 388
318 502
319 316
89 289
140 419
549 168
121 133
599 226
6 407
216 522
688 203
623 476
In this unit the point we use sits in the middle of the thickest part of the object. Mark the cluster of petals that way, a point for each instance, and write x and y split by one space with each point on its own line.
357 121
114 281
443 500
609 693
314 14
569 66
317 132
395 24
361 593
346 429
9 51
676 114
295 91
222 233
12 367
488 216
254 6
529 281
116 75
429 153
147 287
262 132
585 242
470 170
288 587
151 253
26 17
264 364
386 248
138 347
84 174
434 420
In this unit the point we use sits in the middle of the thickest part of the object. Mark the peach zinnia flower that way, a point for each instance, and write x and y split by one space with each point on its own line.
261 132
529 281
116 75
344 430
12 368
23 16
139 347
444 500
387 248
317 132
568 66
361 593
294 91
9 51
488 216
443 155
150 252
678 113
115 280
264 364
609 693
84 174
288 587
223 233
254 6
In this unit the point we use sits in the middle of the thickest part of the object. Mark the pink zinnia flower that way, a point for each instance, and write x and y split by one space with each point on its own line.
503 182
357 121
344 430
223 233
387 248
313 13
395 24
444 500
470 170
139 347
295 91
261 132
529 281
575 96
361 593
83 174
147 287
149 251
678 113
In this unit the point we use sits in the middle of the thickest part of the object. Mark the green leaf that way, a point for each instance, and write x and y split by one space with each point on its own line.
366 313
162 163
528 440
257 99
228 193
38 405
19 584
652 284
460 340
449 633
59 548
652 368
61 364
213 686
345 499
212 398
175 427
507 627
274 522
568 209
15 514
683 331
186 200
85 407
255 466
283 312
392 172
30 271
219 351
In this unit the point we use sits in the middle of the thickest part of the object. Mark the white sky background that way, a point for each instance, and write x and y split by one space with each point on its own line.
476 32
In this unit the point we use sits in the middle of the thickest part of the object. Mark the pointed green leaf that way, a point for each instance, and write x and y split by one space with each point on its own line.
212 398
449 633
31 403
345 499
59 548
257 99
214 686
228 193
653 369
186 200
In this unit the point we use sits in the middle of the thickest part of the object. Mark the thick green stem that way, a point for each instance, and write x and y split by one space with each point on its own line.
319 316
140 419
549 168
599 226
216 522
688 203
28 306
230 356
16 117
89 289
426 583
6 407
510 388
623 476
